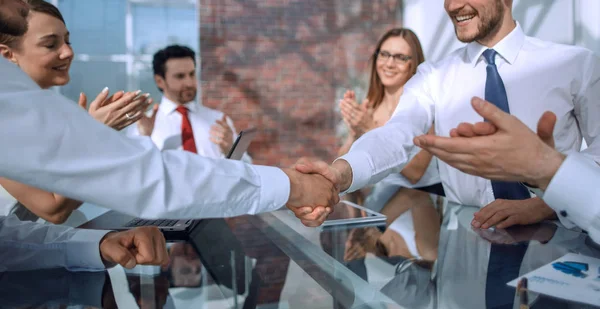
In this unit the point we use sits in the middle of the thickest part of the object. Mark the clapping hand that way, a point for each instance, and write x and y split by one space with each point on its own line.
222 135
119 110
359 118
146 124
503 148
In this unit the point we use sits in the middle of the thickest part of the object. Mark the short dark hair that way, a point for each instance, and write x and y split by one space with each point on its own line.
39 6
170 52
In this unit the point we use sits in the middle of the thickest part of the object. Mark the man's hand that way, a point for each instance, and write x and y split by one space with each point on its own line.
340 173
142 245
505 213
119 110
222 135
505 150
146 124
310 197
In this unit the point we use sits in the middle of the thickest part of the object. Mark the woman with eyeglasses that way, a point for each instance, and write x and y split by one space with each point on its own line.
412 215
44 52
395 60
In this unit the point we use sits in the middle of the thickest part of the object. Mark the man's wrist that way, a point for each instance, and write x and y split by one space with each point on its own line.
345 173
107 264
551 164
290 173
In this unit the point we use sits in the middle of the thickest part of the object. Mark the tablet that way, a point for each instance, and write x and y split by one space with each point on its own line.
241 144
348 213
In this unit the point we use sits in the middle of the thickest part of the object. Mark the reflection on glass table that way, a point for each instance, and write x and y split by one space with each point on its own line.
271 260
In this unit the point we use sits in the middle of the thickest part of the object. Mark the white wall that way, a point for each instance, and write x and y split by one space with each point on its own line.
562 21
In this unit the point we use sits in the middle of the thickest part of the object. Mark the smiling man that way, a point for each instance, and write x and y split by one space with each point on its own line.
521 75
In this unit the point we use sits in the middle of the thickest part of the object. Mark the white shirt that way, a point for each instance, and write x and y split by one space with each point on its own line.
573 193
51 143
28 245
538 76
167 128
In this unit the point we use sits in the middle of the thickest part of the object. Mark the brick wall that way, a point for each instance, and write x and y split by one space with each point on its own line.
283 65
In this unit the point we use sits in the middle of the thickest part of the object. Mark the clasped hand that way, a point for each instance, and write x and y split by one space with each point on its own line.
315 187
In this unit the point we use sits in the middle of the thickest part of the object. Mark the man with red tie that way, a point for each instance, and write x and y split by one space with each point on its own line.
180 122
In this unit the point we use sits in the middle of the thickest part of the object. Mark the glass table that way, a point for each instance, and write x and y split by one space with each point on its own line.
427 255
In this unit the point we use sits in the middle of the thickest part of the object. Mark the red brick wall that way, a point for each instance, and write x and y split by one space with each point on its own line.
283 65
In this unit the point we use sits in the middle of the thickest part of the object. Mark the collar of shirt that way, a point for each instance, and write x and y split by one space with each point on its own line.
167 106
508 48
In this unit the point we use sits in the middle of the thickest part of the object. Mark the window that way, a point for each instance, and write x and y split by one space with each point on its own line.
114 41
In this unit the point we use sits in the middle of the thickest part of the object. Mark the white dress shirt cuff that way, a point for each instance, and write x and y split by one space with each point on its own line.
567 192
274 188
361 169
83 250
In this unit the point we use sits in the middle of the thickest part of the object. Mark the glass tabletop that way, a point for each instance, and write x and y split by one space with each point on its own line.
426 255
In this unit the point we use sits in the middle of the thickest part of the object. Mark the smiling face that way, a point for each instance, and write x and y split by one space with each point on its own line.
179 83
392 72
475 20
44 52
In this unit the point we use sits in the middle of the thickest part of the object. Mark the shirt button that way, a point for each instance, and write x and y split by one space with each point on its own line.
563 213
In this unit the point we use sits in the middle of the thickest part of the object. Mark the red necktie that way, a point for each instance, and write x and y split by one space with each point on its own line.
187 135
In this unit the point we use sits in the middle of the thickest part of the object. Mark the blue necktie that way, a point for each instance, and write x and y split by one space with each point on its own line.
505 260
496 94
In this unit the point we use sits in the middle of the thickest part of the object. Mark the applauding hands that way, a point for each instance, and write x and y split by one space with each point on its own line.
358 117
119 110
222 135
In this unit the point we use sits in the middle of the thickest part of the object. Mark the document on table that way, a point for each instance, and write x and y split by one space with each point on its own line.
572 277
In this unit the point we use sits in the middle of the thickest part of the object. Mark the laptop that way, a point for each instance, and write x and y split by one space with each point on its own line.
173 229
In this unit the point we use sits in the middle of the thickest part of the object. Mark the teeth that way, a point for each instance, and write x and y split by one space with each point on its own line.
388 73
464 17
61 68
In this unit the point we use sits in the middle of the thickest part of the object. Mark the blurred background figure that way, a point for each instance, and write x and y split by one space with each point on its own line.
180 122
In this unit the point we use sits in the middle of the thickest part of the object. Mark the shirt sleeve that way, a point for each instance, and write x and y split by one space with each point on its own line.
51 143
587 105
387 149
29 245
573 193
52 287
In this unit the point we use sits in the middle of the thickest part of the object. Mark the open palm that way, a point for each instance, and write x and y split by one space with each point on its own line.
146 124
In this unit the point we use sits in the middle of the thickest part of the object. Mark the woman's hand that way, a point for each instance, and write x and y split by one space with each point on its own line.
119 110
359 118
146 124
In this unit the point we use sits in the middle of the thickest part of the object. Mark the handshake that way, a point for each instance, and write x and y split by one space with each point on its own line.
315 188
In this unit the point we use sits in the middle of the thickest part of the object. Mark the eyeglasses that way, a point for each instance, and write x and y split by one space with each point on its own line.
383 56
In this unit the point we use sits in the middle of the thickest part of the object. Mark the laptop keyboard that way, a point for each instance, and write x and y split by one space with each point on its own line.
159 222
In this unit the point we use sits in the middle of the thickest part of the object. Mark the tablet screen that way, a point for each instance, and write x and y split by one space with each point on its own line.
346 212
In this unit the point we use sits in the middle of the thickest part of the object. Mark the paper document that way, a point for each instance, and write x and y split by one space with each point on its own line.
572 277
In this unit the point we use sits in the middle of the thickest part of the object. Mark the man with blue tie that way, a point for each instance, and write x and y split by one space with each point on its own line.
522 75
